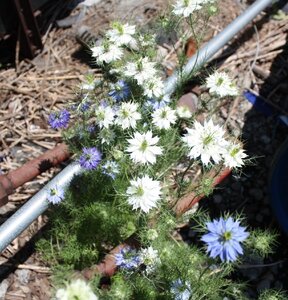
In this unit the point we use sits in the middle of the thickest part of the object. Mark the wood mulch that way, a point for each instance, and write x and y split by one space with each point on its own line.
33 88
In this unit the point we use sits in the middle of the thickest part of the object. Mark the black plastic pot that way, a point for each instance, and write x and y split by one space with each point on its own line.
278 186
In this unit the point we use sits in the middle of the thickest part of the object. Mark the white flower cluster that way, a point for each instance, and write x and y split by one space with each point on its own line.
143 146
111 49
145 73
126 116
77 289
207 142
142 70
186 7
220 84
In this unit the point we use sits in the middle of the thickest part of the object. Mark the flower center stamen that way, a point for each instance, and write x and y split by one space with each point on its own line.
144 146
227 236
125 113
53 192
140 191
219 81
164 114
234 151
207 139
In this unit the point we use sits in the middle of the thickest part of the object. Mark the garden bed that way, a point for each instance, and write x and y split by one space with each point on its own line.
33 88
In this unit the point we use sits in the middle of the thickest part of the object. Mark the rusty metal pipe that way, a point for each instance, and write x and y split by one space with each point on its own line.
15 178
186 202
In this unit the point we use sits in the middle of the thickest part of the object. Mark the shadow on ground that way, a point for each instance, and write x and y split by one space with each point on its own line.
249 192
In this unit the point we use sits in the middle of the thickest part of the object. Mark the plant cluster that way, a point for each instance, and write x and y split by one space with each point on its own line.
141 152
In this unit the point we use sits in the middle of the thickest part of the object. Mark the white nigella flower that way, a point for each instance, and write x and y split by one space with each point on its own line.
106 53
234 155
127 115
106 136
143 148
183 112
220 84
141 70
164 117
153 87
187 7
121 34
150 258
88 86
206 141
144 193
232 90
104 116
77 289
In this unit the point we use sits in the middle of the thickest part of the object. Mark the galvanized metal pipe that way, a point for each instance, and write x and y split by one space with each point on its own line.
38 203
32 209
215 44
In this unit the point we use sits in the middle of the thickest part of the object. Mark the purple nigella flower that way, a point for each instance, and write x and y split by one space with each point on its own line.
91 128
224 239
90 158
121 91
84 106
59 119
55 195
127 259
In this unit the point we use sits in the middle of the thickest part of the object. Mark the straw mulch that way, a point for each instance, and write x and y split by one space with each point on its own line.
31 90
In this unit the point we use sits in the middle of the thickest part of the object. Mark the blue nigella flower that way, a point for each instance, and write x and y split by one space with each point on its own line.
120 91
110 168
158 103
90 158
224 239
85 105
127 259
59 119
55 195
91 128
181 291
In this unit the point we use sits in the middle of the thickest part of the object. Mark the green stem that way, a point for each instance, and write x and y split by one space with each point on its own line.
183 175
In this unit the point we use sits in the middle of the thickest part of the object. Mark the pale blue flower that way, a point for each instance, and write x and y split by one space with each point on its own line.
156 103
120 91
224 239
111 169
55 195
127 259
181 291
